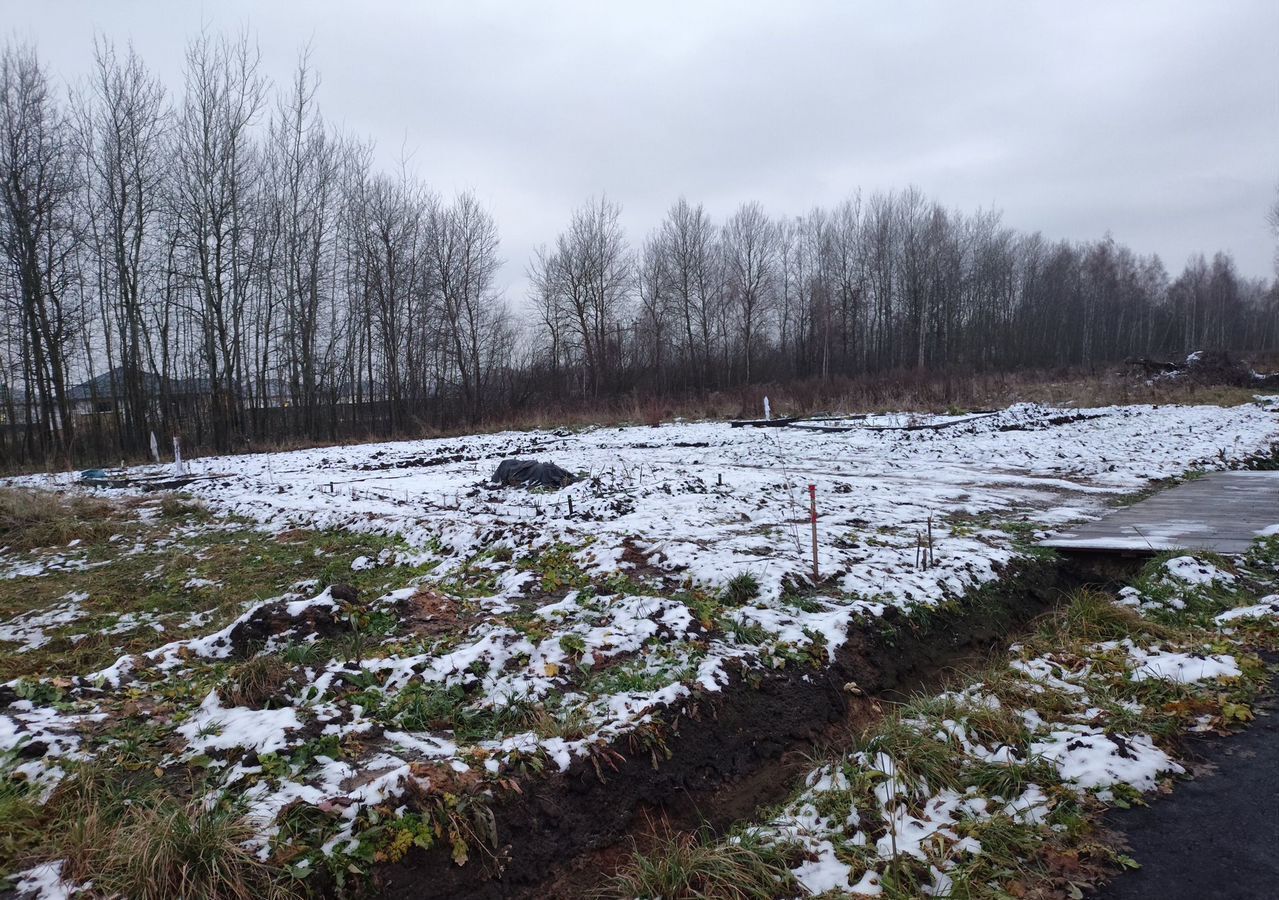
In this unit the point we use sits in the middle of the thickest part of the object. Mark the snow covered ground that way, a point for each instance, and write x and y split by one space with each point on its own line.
937 796
710 502
552 622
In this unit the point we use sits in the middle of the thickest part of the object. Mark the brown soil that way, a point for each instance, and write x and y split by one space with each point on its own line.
431 613
640 566
730 752
273 621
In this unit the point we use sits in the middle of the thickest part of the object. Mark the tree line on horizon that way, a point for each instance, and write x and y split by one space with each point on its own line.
227 265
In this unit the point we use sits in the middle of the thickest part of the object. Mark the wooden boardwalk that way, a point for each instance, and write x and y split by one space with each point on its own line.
1223 512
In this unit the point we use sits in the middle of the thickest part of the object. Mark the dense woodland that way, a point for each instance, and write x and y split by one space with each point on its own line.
224 264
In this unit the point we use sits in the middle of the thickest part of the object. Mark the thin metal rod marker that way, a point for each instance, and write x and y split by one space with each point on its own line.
812 510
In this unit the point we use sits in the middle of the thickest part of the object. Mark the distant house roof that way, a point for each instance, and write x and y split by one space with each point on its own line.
110 386
189 387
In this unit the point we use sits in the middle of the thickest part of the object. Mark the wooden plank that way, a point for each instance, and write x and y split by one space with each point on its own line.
805 424
1223 512
763 423
930 426
827 429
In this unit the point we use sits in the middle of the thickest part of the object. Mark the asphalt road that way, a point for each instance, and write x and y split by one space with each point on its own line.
1215 836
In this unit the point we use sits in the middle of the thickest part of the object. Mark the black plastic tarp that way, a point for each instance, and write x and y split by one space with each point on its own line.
529 473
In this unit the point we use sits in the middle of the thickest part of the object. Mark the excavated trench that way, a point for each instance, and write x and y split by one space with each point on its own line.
730 752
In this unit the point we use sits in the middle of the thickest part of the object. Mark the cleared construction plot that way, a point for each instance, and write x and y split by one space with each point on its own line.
380 663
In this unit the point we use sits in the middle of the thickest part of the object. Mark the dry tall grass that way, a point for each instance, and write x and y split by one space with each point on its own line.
140 842
33 518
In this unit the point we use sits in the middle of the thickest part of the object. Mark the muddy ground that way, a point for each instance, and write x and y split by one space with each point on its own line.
729 753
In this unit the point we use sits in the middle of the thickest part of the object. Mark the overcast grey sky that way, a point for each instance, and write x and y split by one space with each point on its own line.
1156 121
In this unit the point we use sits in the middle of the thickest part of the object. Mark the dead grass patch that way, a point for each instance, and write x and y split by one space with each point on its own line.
176 506
167 851
1092 616
32 518
260 683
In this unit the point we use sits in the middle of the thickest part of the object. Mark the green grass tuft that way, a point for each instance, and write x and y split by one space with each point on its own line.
684 867
741 589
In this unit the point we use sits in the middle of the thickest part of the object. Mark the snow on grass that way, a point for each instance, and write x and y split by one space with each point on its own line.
1196 572
28 629
1092 759
26 725
542 632
215 727
662 486
945 771
44 565
1179 668
1266 607
44 882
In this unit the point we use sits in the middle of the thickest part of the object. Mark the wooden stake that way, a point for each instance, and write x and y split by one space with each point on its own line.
812 511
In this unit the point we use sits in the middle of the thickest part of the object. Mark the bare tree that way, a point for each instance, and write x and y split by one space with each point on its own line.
588 281
304 162
845 252
550 316
217 174
880 254
40 240
656 305
1272 216
462 262
246 280
123 120
389 230
750 248
692 264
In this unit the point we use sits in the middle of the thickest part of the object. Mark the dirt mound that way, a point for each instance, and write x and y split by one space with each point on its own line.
718 757
1206 367
1217 367
284 619
432 613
